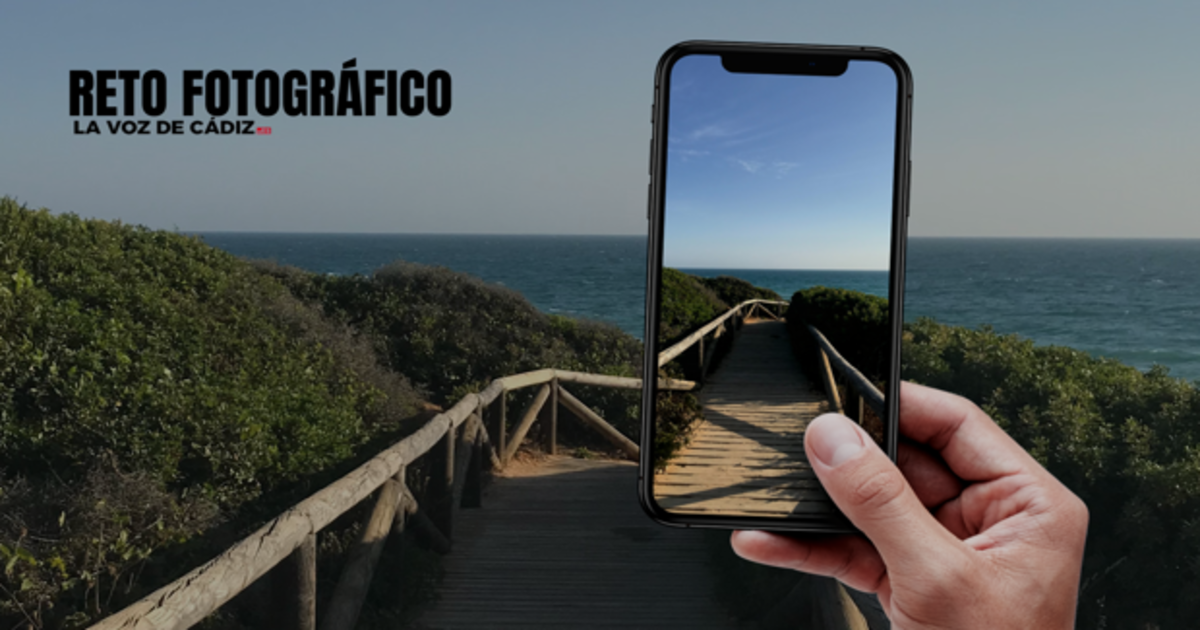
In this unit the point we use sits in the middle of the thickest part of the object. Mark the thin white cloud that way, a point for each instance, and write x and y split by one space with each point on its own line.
751 166
710 131
782 168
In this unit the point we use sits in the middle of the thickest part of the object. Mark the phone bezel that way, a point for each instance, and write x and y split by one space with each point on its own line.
900 210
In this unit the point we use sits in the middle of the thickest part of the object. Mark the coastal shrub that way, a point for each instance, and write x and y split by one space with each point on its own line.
685 305
452 333
855 323
151 386
675 414
734 291
1126 441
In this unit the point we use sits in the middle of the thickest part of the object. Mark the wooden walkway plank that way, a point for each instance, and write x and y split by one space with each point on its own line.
566 545
747 455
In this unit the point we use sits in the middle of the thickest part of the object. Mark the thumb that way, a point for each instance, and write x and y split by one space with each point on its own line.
872 492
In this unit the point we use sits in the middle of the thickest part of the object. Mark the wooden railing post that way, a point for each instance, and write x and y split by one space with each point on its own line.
441 510
700 359
294 588
830 385
352 587
531 414
405 503
502 428
706 361
473 484
464 454
552 421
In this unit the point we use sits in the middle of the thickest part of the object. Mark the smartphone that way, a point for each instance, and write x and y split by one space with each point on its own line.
779 184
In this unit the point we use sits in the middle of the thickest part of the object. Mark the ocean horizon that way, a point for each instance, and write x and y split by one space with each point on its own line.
1135 300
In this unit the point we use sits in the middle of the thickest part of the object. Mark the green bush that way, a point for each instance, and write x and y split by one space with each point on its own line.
855 323
685 305
172 383
452 333
734 291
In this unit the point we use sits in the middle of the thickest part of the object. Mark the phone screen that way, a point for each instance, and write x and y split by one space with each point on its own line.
777 256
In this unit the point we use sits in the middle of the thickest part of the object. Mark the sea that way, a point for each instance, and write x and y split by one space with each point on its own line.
1134 300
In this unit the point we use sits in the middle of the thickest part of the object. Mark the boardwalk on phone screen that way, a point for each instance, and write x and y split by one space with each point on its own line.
747 455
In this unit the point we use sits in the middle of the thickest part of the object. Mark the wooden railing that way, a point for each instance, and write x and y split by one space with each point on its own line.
726 322
286 546
862 392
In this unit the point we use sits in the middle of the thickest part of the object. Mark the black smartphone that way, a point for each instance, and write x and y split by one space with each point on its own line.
778 205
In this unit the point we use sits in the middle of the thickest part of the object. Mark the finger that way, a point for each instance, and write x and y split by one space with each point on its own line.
850 558
927 474
970 443
869 489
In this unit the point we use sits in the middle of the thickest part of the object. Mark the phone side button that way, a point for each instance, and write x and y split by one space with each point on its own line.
908 189
647 202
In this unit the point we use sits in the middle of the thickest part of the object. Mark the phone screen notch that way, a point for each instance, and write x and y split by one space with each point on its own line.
759 63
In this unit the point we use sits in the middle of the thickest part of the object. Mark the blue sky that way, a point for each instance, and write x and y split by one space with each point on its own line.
779 171
1070 118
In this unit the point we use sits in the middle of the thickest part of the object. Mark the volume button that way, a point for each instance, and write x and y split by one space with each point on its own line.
908 192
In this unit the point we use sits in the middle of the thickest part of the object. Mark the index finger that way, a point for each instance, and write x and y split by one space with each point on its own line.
969 441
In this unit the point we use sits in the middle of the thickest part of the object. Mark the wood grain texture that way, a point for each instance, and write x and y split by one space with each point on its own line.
569 547
747 456
592 419
294 588
527 418
351 591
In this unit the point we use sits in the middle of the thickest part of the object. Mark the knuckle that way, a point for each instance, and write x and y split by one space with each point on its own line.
879 489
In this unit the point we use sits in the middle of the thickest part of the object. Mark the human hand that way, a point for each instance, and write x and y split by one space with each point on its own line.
969 531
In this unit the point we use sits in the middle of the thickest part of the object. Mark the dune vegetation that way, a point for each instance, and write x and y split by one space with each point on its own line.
160 398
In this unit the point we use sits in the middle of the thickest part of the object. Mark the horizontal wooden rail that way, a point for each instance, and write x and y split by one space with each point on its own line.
194 596
188 600
539 377
871 395
678 348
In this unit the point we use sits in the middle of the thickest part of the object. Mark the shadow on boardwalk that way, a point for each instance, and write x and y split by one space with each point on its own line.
566 545
747 455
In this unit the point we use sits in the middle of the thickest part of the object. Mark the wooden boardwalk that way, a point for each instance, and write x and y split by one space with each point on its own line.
566 545
747 455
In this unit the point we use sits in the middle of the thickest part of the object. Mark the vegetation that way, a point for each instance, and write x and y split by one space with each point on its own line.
685 305
855 323
150 386
733 291
452 334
